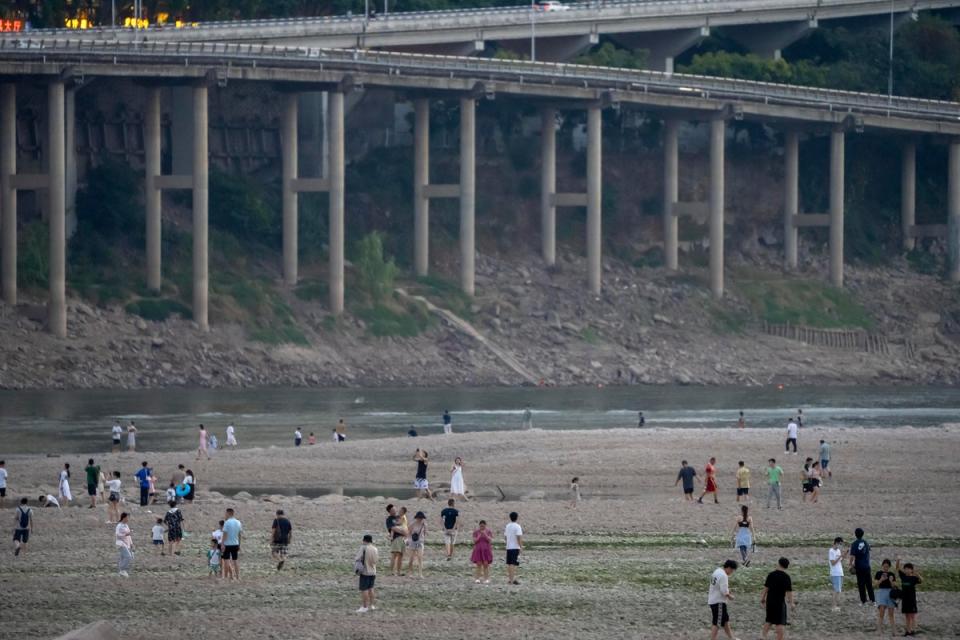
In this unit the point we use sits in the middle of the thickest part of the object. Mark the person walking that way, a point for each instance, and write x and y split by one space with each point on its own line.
281 534
792 432
297 437
835 557
131 436
860 563
202 450
513 534
744 535
909 579
116 435
23 527
457 486
396 532
232 532
124 541
718 596
825 459
885 582
447 422
450 518
774 473
173 518
482 555
527 418
743 482
710 472
777 594
64 485
113 499
365 566
143 477
420 481
687 475
93 479
416 539
231 436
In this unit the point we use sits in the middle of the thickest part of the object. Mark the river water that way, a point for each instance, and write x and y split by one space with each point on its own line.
80 421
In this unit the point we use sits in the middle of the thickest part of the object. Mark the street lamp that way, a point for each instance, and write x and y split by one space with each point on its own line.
890 60
533 31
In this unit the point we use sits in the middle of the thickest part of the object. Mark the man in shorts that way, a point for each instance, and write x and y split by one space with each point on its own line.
117 433
396 532
281 535
777 593
93 479
717 599
420 480
687 475
451 525
514 539
710 471
743 482
232 530
366 563
825 459
21 533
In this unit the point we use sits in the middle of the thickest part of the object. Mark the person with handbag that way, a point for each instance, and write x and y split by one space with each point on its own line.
415 543
365 567
887 595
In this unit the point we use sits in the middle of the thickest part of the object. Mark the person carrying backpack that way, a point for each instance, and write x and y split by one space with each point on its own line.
21 534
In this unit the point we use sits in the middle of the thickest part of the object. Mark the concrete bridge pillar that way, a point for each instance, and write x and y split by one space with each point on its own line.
8 196
908 193
953 209
594 154
335 127
467 193
151 144
181 130
201 197
671 193
791 197
717 135
836 206
421 178
664 46
548 184
56 171
289 196
70 147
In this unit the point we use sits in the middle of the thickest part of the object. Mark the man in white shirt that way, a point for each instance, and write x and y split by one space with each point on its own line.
836 557
49 501
117 433
717 599
514 537
3 483
792 429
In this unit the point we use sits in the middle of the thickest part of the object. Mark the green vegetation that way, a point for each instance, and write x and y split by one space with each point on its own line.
445 294
609 55
802 302
375 274
33 255
590 335
395 319
158 309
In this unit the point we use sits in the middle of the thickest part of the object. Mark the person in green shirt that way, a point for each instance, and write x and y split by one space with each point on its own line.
774 472
93 479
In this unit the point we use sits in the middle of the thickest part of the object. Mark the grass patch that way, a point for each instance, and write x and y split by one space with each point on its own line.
158 309
393 319
724 321
803 302
312 291
590 335
445 294
283 334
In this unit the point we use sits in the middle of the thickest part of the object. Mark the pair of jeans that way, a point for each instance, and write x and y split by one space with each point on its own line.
865 585
144 496
126 559
786 446
774 491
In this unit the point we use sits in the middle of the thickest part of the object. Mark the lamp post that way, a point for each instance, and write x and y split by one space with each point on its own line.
533 31
890 60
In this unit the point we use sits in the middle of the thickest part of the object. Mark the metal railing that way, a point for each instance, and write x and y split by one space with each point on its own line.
73 51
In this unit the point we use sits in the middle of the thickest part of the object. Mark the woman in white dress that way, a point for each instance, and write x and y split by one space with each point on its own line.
231 436
457 486
65 484
132 437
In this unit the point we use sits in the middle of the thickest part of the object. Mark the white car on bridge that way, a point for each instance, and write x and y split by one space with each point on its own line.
550 5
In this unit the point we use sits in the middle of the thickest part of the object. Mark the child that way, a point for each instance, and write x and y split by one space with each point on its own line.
158 535
213 558
152 489
909 579
403 518
171 493
482 555
574 492
311 439
836 556
297 437
218 533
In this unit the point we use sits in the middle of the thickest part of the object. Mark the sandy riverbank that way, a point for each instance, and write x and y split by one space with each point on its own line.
627 563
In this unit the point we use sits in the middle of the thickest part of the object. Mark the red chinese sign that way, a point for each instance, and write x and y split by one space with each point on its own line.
11 26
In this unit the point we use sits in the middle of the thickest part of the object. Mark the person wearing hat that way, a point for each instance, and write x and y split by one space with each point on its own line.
415 541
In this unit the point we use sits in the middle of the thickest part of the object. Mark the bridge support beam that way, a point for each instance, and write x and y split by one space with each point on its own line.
791 198
290 197
151 146
201 275
664 46
594 155
953 209
671 193
421 178
769 40
467 193
56 171
335 128
70 149
8 195
908 193
717 135
548 184
836 206
181 130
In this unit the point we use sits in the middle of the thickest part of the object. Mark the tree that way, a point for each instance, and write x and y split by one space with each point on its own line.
376 274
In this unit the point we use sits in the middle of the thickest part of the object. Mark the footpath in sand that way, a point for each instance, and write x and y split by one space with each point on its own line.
632 561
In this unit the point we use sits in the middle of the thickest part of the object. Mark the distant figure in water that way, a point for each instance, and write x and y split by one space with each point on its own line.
742 422
341 430
231 435
641 421
447 422
412 432
527 418
131 437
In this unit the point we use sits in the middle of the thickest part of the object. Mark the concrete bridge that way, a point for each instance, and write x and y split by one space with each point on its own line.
64 66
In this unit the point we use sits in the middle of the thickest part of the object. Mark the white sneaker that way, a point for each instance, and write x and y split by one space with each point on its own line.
477 580
124 574
373 608
362 610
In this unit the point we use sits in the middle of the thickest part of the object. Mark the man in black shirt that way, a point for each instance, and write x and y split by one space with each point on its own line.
282 533
777 592
420 480
451 525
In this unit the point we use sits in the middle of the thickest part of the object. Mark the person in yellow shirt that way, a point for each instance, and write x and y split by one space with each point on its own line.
743 482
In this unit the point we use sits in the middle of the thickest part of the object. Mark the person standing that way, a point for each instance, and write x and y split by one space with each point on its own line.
447 422
124 545
457 486
143 476
710 471
641 421
825 459
297 437
281 533
451 526
743 534
482 555
190 480
527 418
204 443
792 431
835 557
687 475
886 581
23 528
574 492
174 521
366 568
800 417
717 598
774 473
231 436
113 500
117 433
741 422
93 479
341 430
909 579
743 482
416 542
420 480
3 484
513 534
396 532
777 593
64 485
232 531
131 436
860 563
